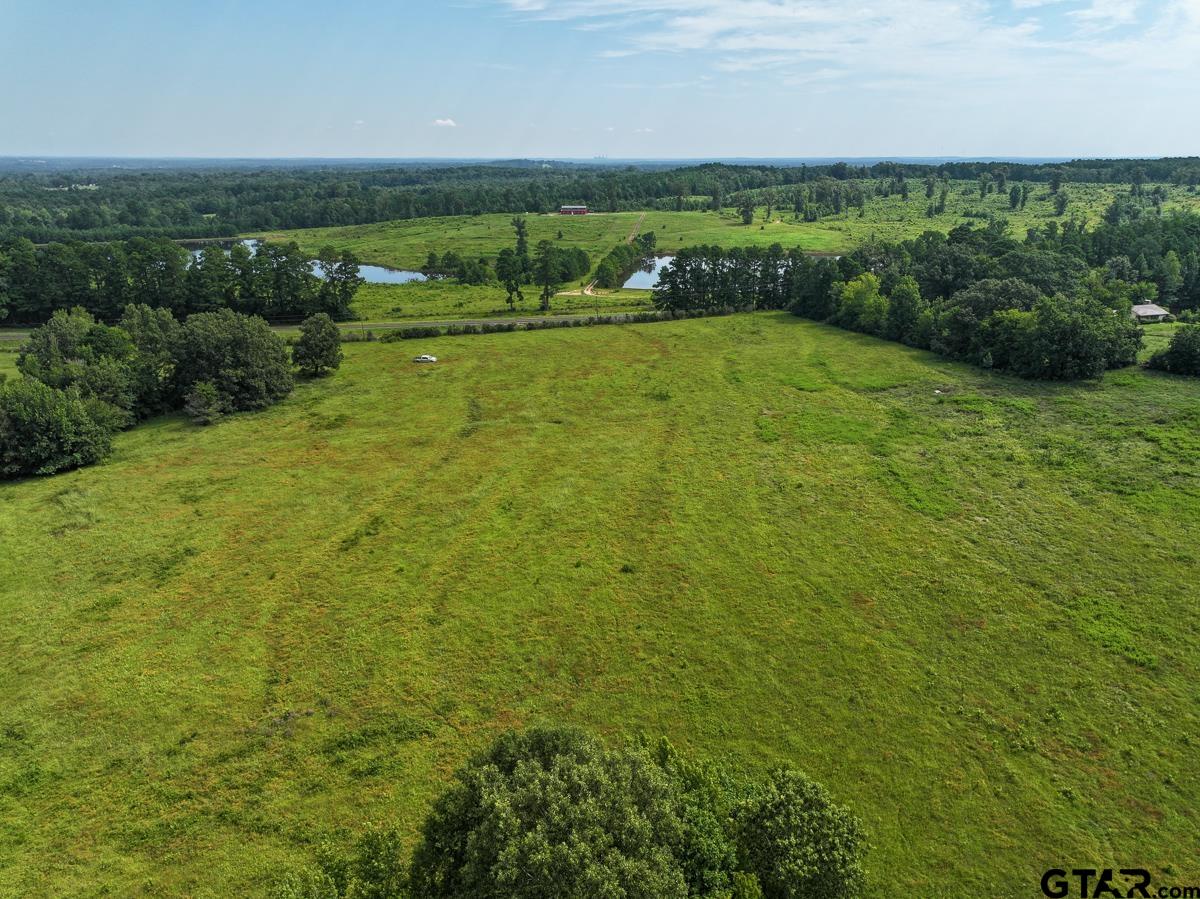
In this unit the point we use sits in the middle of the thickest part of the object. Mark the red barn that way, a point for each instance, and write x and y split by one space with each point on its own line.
573 210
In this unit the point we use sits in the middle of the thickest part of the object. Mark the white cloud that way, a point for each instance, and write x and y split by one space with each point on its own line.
445 123
1107 13
938 44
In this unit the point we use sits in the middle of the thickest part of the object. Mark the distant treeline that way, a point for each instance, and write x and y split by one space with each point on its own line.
1054 306
95 204
276 282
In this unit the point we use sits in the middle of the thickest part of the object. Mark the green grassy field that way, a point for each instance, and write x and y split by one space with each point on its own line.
406 244
1157 337
962 601
446 299
8 361
892 218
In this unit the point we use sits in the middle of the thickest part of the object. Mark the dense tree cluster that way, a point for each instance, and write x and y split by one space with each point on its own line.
84 380
515 268
1037 307
553 266
552 812
244 363
44 430
1163 250
828 196
277 281
222 201
451 265
626 258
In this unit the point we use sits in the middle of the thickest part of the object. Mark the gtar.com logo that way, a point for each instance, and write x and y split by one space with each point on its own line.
1093 883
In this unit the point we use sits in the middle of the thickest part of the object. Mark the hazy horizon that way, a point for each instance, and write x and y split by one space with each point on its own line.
580 160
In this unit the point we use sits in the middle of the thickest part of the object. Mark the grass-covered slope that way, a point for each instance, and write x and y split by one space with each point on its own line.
965 603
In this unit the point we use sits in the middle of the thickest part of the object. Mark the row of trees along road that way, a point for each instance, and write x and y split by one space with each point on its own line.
276 282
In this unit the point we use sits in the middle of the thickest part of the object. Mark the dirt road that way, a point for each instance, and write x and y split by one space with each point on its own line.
589 290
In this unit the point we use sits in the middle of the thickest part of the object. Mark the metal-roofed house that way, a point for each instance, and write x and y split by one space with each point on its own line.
1149 313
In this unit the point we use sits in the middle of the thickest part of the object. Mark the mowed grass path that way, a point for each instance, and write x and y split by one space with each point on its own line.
971 614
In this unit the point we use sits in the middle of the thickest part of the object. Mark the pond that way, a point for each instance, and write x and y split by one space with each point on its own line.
377 274
647 277
372 274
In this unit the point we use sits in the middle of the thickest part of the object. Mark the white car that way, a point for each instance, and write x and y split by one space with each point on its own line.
425 357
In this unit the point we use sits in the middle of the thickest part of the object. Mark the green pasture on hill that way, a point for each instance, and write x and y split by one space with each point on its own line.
406 244
963 602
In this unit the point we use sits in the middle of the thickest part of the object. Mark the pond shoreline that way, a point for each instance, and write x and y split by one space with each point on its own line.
372 274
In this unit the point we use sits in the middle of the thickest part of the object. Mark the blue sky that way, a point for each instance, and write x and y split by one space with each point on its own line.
583 78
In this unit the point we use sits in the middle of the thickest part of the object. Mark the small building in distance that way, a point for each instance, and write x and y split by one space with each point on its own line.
1149 313
573 210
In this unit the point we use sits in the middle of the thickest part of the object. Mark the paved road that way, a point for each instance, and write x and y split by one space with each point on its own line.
17 335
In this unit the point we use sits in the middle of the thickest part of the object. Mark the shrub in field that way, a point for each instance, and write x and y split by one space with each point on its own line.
798 843
375 868
246 362
204 404
152 332
1182 355
861 306
319 350
73 349
44 430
